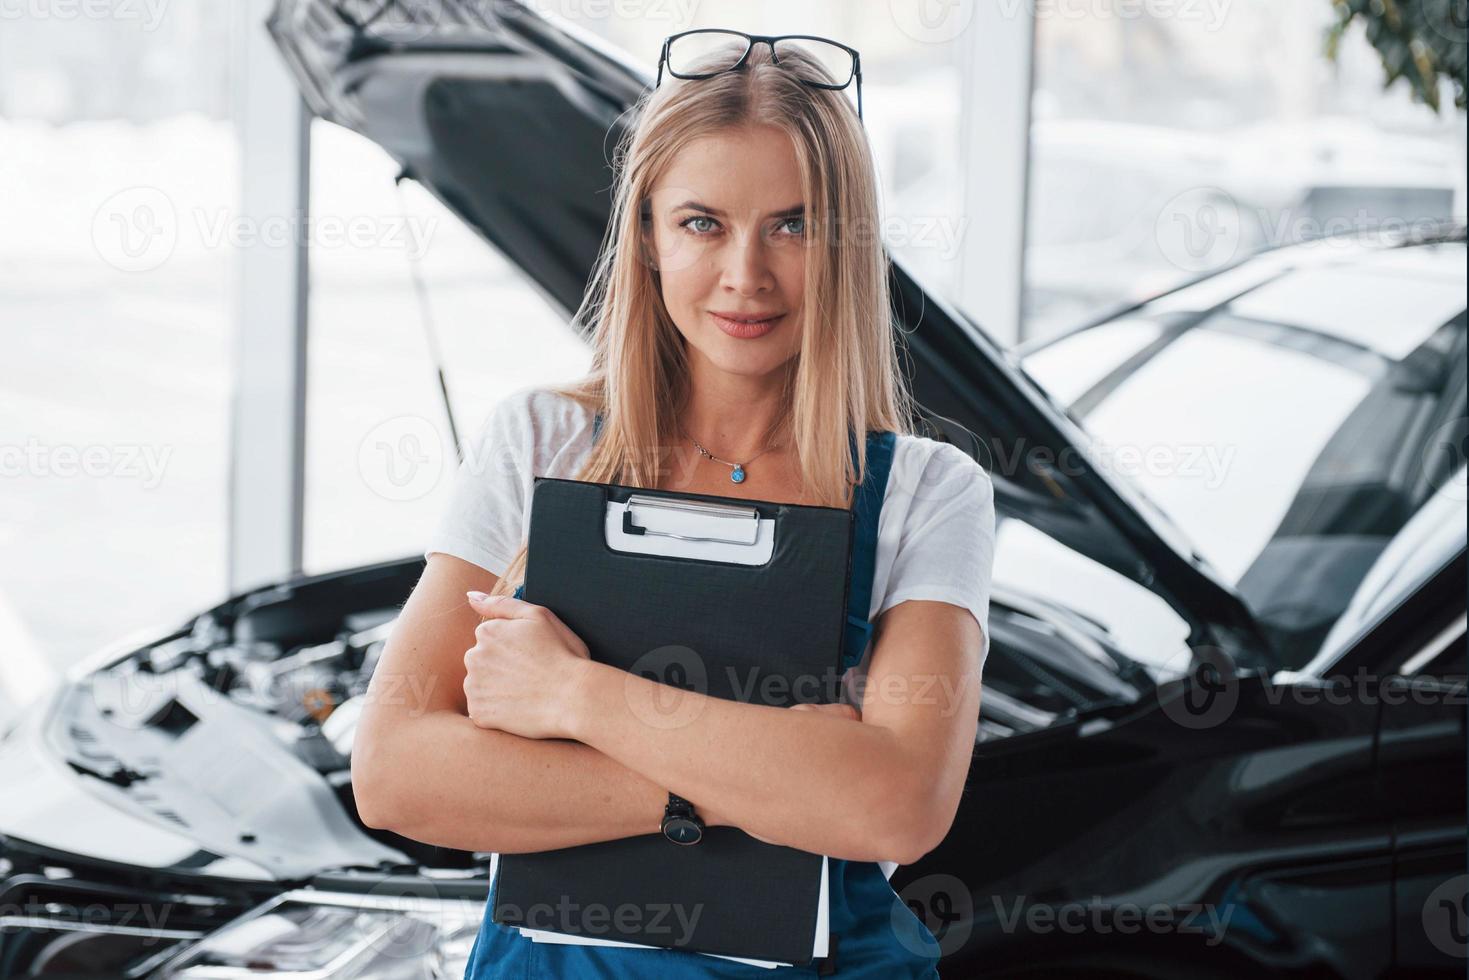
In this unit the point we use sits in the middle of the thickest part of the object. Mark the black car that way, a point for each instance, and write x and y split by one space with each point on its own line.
1157 789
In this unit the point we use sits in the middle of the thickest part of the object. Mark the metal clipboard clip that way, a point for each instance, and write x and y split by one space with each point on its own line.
690 529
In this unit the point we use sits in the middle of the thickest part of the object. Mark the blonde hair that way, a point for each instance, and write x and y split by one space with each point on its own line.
844 380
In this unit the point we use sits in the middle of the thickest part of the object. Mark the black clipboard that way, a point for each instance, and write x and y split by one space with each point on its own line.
749 598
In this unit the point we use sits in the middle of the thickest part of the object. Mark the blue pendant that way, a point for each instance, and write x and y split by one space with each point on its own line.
738 476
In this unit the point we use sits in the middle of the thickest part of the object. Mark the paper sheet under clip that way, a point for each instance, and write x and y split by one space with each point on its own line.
699 529
819 944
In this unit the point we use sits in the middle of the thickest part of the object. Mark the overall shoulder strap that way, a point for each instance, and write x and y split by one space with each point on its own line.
868 507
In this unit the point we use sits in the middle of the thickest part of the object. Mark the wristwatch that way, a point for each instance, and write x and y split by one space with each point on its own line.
680 823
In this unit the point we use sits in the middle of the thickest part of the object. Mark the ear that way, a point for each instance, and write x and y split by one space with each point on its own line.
646 247
647 251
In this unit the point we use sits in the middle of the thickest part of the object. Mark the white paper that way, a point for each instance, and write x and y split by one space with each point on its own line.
820 942
673 522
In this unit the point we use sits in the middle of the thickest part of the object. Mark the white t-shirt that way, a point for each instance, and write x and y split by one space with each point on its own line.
935 535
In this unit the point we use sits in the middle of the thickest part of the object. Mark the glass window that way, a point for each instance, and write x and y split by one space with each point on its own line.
115 319
1219 461
380 459
1068 369
1170 140
1290 456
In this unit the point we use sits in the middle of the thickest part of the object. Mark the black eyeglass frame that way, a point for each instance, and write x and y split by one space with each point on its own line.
750 41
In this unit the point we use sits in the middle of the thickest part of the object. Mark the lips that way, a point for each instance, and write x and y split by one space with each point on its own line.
746 326
745 317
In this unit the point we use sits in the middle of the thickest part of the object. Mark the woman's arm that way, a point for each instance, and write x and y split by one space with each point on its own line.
886 787
422 769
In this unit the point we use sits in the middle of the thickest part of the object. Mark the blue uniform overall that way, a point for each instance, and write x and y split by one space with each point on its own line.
874 936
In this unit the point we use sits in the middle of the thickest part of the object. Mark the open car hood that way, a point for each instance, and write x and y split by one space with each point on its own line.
510 119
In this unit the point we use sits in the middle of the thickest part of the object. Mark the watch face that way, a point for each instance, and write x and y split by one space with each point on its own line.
682 830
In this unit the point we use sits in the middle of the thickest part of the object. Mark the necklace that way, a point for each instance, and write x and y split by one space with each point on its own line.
737 475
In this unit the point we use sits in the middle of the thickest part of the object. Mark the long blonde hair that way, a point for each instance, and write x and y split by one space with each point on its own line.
844 380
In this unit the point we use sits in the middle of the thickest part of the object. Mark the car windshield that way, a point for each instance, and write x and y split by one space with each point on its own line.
1290 433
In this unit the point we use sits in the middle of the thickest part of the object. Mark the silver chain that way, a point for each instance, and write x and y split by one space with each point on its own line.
726 462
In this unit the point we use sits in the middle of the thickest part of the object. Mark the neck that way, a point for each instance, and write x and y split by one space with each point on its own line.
731 415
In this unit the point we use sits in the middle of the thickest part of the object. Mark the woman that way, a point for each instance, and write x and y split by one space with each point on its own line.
748 195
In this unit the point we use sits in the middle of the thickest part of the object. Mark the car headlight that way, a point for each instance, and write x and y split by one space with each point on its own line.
324 934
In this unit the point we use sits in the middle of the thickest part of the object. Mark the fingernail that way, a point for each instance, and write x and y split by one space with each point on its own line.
477 596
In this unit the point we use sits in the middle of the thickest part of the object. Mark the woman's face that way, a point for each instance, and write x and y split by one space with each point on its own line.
729 238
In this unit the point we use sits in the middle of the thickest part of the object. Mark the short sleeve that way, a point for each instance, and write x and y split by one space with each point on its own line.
483 521
946 549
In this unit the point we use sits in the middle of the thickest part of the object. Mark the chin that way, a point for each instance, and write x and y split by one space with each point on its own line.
742 360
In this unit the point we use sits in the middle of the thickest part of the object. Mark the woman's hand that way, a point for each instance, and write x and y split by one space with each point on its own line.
836 710
523 670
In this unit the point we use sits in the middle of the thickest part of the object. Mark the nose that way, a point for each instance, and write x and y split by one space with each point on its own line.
747 265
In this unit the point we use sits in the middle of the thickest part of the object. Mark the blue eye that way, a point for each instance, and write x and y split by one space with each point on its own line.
800 221
685 223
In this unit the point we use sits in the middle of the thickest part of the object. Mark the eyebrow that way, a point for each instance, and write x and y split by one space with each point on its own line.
791 212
